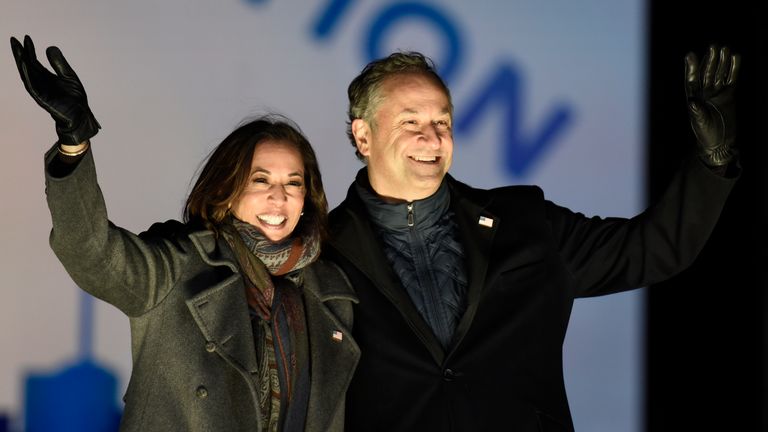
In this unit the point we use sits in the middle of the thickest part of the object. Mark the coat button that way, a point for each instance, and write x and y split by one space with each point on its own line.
210 347
449 375
201 392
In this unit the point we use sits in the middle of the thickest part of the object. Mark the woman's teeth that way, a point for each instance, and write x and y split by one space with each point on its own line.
272 219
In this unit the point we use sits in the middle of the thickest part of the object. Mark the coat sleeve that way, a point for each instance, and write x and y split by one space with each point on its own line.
132 272
614 254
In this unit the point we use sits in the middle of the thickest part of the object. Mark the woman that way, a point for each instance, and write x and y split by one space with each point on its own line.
235 325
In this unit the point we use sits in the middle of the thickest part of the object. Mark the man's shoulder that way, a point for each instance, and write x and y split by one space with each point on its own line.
464 190
350 205
340 210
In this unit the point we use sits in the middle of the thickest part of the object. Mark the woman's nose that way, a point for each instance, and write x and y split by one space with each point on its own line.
277 192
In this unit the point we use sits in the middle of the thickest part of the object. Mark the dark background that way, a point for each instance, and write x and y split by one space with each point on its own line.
707 338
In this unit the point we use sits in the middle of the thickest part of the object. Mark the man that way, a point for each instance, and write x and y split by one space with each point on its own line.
465 294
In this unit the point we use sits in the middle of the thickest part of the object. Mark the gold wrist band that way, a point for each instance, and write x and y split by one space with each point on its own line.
77 152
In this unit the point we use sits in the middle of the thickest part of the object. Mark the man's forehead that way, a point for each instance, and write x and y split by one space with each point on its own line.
414 110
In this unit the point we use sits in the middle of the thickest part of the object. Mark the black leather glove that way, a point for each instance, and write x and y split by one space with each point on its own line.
709 88
61 94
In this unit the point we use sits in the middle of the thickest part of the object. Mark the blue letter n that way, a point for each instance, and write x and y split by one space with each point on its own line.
521 149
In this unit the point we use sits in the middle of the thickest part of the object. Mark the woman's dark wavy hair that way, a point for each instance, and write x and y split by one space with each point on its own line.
228 167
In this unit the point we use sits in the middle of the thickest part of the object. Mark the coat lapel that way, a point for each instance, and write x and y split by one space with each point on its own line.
334 353
357 231
221 314
477 228
221 311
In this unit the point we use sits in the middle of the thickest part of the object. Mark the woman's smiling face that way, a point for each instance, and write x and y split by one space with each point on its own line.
273 197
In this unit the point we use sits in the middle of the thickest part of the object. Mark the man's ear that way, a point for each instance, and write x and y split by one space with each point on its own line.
362 133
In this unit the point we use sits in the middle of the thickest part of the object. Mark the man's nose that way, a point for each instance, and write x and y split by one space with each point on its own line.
432 135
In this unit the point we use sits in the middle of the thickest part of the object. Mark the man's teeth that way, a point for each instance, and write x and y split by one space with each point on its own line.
272 219
424 158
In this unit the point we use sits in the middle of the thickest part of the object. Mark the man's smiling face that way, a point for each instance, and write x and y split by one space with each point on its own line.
409 144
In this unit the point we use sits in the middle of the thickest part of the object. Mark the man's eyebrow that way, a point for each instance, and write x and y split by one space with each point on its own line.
407 111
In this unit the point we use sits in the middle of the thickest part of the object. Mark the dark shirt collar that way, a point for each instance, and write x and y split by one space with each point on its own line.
394 216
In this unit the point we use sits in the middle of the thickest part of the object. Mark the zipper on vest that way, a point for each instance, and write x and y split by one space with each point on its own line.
410 214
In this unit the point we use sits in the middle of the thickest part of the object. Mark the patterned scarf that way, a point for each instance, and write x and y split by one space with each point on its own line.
273 290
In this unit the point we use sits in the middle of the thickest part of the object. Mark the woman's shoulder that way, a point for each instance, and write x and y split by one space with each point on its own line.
181 234
169 229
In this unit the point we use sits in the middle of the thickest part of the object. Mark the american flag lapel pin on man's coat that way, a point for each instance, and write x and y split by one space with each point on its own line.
486 222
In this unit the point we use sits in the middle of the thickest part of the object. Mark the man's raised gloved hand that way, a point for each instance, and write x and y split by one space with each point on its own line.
709 88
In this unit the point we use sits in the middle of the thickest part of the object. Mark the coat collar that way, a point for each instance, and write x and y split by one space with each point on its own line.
221 313
400 216
352 229
220 310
